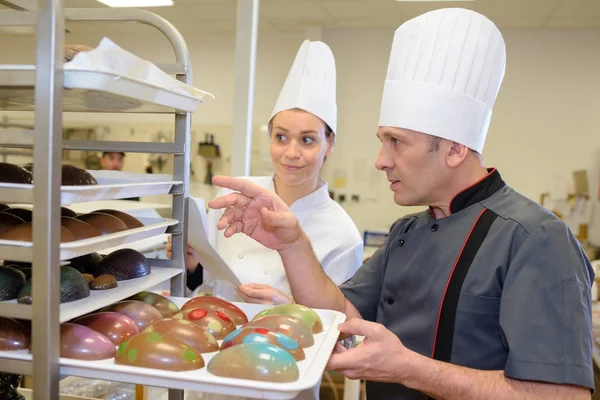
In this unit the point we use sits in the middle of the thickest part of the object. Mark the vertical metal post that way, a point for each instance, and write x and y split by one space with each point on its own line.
243 106
181 172
46 204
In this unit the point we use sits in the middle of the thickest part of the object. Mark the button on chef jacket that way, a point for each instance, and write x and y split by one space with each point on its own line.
333 236
524 306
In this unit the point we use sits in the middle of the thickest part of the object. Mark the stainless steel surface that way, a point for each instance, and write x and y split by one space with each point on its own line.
17 367
15 310
47 175
50 99
128 147
243 105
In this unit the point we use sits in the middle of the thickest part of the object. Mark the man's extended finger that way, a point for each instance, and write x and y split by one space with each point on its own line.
230 200
239 185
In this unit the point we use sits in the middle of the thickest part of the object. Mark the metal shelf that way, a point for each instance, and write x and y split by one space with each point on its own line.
102 298
22 193
24 251
48 89
93 91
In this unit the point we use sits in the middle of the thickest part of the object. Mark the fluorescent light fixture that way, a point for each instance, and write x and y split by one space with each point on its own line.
136 3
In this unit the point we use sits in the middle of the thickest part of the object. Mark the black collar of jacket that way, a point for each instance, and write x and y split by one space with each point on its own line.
478 191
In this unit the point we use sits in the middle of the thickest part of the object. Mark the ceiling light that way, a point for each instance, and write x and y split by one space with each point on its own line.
136 3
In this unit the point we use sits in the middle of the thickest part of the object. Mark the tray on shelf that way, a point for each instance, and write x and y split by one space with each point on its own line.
311 369
23 193
23 251
95 91
101 298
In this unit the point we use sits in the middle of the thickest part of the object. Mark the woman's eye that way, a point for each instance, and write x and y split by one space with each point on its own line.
308 140
280 137
395 141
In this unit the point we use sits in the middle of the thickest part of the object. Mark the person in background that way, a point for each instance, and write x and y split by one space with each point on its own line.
484 295
112 161
302 132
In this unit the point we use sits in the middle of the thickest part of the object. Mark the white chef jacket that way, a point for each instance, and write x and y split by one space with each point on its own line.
333 236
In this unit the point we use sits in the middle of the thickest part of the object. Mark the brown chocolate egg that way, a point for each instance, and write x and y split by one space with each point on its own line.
214 303
143 314
117 327
24 214
127 219
66 212
88 277
8 221
289 326
11 281
73 286
217 322
124 264
75 176
87 263
187 332
104 282
81 230
11 173
83 343
24 233
13 335
105 223
153 350
166 307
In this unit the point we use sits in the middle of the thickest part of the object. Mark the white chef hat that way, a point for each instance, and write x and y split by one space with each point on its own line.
310 84
444 73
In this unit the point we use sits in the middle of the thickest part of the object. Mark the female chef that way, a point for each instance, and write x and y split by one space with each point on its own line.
302 133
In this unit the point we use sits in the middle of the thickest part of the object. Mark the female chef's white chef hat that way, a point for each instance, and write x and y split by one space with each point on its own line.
444 73
310 84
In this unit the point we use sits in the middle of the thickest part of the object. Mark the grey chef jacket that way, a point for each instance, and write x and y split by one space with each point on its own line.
524 306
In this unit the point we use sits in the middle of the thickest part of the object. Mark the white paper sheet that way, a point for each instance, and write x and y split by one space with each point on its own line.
203 252
108 57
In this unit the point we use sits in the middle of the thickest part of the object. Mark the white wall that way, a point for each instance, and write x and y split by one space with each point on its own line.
546 121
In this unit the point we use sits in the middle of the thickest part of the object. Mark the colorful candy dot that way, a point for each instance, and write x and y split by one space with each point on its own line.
189 355
153 337
214 326
262 331
286 341
132 355
197 314
223 316
253 338
122 348
173 307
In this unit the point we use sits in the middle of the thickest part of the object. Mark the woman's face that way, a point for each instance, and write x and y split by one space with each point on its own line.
298 146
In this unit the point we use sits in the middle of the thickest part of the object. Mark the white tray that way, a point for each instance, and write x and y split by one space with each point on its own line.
101 298
22 193
311 369
23 251
95 91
